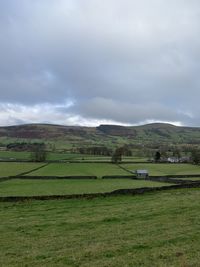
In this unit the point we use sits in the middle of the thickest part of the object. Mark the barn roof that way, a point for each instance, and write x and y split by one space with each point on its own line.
142 171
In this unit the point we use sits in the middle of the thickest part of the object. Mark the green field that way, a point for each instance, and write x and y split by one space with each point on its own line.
15 168
96 169
160 229
65 169
165 169
63 156
12 155
22 187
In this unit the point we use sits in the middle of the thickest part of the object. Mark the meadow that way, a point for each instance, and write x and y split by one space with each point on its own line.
155 229
93 169
16 168
70 169
12 155
51 156
102 169
165 169
33 187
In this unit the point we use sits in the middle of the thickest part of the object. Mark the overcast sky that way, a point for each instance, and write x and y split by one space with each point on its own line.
87 62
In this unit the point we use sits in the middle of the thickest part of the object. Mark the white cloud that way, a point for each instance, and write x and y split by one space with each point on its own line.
11 114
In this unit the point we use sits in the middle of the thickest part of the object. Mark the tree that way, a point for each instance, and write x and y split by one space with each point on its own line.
117 156
39 154
157 156
195 156
177 153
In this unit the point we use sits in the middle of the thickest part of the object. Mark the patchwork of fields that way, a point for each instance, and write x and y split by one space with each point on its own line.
35 187
16 168
93 169
155 229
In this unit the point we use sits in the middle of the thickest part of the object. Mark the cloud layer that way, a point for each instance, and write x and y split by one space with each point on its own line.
89 62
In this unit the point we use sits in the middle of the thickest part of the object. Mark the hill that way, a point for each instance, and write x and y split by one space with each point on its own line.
107 135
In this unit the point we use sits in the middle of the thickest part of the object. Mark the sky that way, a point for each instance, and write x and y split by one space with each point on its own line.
91 62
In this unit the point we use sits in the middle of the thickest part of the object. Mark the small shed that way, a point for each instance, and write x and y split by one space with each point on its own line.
142 173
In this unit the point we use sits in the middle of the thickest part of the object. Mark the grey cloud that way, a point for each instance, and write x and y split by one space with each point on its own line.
142 56
129 113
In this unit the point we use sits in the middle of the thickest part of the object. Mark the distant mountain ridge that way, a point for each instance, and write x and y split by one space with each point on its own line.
103 134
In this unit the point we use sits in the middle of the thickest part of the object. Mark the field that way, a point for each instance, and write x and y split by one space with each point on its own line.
12 155
159 229
94 169
20 187
65 169
51 156
155 229
15 168
165 169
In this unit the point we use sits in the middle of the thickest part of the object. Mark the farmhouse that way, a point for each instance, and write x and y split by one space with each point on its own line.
142 173
173 160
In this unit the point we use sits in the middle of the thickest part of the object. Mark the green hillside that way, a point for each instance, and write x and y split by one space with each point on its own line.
68 137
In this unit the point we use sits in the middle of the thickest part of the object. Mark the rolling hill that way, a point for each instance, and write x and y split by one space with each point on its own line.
108 135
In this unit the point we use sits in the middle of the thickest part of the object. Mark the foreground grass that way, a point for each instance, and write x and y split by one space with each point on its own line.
159 229
14 168
20 187
64 169
165 169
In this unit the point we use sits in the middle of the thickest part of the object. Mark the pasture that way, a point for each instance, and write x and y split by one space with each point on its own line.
51 156
70 169
159 229
154 229
165 169
16 168
102 169
95 169
12 155
33 187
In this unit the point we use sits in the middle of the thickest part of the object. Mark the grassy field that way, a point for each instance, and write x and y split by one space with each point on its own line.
159 229
12 155
97 169
64 169
104 158
14 168
20 187
165 169
63 156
